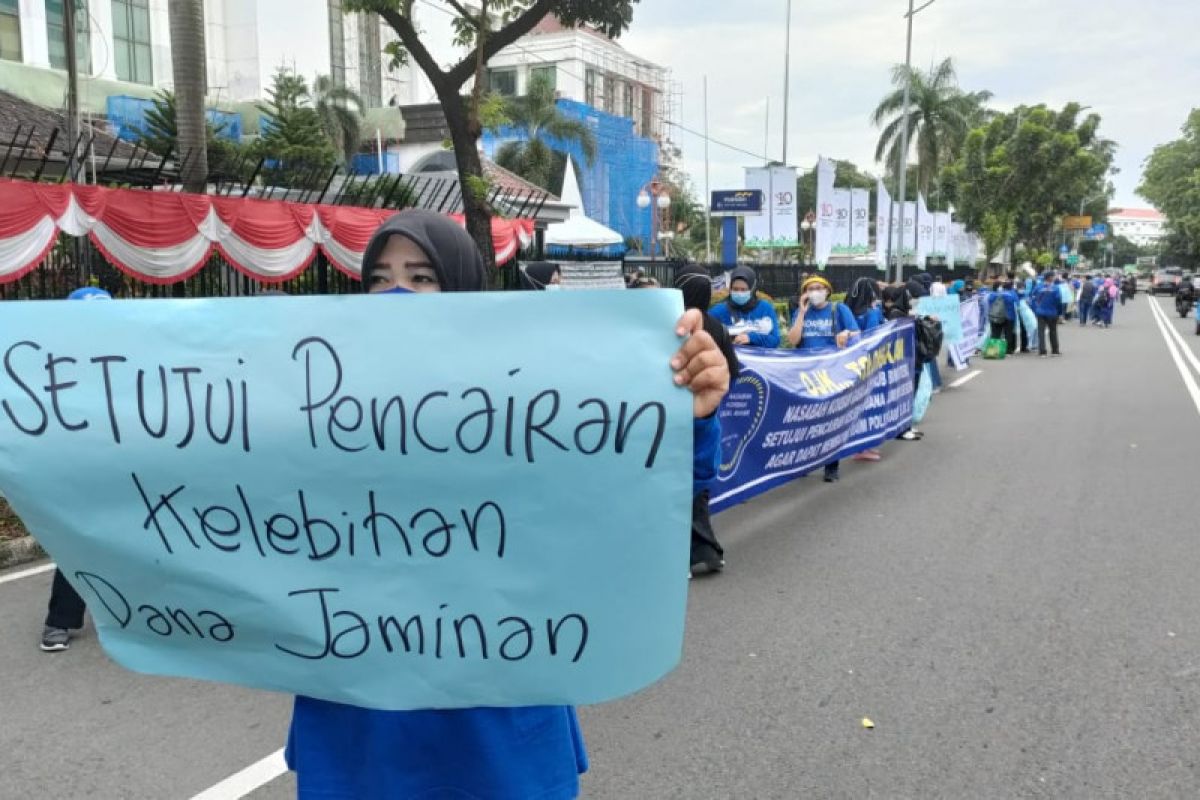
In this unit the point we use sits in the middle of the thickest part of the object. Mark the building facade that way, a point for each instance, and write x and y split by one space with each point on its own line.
1145 227
128 42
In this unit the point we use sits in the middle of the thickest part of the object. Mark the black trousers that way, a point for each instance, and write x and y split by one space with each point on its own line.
1005 331
1048 325
702 529
66 606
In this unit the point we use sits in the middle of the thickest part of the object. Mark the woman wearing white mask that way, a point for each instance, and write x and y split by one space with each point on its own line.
750 321
818 325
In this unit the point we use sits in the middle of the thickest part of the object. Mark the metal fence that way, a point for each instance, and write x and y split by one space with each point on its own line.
76 262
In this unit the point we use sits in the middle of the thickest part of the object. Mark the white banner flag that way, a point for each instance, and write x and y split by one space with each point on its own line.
883 226
960 244
778 226
924 233
860 221
941 236
826 212
909 246
841 222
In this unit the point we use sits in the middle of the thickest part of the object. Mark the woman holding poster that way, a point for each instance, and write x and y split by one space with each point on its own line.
346 752
751 321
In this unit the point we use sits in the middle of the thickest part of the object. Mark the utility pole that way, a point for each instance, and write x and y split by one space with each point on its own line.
707 186
902 165
787 70
73 121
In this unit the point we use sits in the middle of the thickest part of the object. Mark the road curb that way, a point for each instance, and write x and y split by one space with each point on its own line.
15 552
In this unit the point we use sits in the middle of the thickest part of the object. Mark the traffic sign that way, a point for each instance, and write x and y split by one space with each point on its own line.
1072 261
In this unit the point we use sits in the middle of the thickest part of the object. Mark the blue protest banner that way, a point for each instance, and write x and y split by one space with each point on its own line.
392 503
788 413
946 309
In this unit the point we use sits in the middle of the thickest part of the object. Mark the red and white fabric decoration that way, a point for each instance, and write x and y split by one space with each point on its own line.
166 237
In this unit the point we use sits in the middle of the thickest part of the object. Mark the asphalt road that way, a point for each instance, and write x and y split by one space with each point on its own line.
1013 602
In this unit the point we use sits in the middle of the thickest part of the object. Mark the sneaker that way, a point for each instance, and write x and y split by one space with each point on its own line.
1056 355
1043 355
706 560
55 640
832 476
911 436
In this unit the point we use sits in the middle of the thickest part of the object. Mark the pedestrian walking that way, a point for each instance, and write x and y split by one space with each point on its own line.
1086 301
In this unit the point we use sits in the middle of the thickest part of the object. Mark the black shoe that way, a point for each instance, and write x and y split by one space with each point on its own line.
832 476
55 640
706 560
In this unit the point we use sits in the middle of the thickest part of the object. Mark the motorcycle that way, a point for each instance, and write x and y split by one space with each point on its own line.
1185 298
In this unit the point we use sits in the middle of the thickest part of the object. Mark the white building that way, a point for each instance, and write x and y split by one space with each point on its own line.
1145 227
127 42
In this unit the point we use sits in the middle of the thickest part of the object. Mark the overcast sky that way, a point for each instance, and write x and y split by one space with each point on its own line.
1136 63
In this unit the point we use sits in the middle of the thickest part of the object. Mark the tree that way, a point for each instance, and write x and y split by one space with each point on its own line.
536 115
1171 182
1022 172
161 133
939 118
340 111
486 30
293 139
188 65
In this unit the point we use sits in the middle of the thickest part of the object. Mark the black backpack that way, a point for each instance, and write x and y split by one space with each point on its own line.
929 339
1102 298
998 311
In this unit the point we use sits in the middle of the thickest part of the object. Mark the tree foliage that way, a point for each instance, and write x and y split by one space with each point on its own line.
1171 182
537 117
340 111
161 133
294 141
484 29
1021 173
939 118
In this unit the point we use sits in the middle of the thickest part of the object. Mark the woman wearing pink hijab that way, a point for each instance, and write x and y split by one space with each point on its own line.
1106 299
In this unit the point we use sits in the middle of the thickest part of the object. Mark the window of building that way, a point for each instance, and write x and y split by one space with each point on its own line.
10 30
131 40
57 38
589 87
370 61
503 82
549 74
337 43
610 94
627 96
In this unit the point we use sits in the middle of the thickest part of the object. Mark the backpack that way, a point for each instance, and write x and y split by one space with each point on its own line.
998 311
1102 298
929 339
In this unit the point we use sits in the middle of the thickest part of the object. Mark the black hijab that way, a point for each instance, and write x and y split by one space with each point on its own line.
537 274
918 286
749 276
451 251
863 295
696 286
897 298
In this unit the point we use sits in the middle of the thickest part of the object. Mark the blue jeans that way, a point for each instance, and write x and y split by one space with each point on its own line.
1084 310
935 374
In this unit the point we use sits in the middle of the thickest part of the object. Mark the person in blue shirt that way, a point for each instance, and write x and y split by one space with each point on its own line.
1049 308
821 325
1011 301
342 752
864 303
750 320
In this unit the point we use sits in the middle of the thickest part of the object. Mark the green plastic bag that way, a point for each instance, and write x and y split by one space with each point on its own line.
995 349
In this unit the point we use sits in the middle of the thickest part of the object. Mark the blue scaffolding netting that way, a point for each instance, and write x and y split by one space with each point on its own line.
624 164
127 116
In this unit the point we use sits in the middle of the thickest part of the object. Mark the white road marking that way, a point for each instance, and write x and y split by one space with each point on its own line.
1164 327
26 573
1187 351
251 778
965 379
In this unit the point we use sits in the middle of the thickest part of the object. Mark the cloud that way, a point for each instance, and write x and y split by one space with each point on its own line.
1134 65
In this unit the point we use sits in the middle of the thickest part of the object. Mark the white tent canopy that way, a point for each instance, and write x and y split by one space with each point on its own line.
578 230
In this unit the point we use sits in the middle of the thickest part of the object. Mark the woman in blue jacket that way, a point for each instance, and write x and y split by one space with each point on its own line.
342 752
750 321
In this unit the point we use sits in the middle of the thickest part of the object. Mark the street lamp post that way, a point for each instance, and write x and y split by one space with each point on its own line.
902 166
657 197
808 226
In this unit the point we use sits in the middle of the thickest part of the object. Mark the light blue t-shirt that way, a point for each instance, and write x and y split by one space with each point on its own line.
819 330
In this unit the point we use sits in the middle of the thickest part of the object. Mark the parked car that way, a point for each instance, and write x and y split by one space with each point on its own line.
1166 281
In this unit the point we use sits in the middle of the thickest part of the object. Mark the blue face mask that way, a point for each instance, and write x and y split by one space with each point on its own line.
398 290
741 298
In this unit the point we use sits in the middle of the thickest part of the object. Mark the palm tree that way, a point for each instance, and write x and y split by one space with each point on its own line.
536 115
940 117
340 110
186 19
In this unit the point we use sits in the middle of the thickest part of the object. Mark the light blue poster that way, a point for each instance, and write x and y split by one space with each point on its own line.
947 310
434 501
